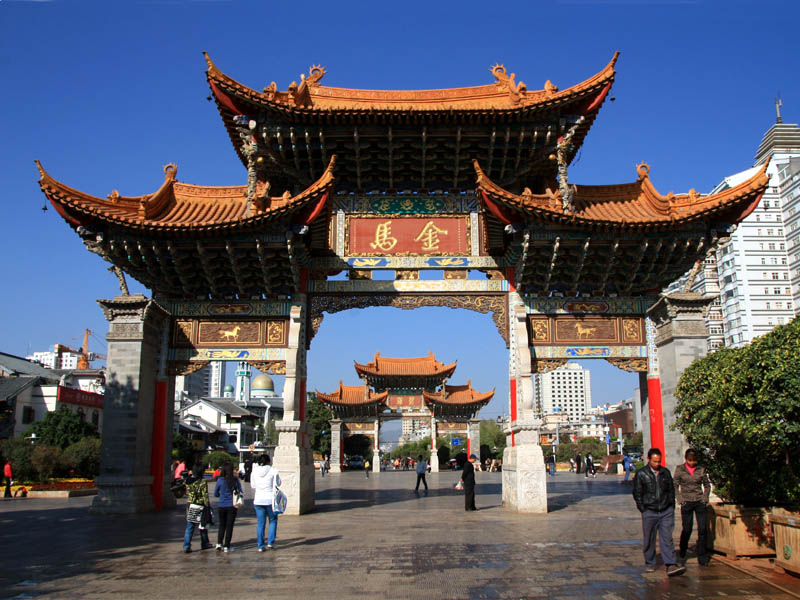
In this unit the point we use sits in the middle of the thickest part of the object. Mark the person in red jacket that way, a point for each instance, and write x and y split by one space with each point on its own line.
8 475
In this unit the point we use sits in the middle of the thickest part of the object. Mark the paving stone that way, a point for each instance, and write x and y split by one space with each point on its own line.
368 536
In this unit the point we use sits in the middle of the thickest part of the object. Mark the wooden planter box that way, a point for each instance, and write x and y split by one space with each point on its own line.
786 527
62 493
738 531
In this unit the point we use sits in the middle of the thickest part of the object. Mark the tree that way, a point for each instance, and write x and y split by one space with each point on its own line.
358 444
61 428
217 458
182 448
84 457
740 408
318 416
492 436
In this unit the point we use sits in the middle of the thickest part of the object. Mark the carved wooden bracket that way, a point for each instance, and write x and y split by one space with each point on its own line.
543 365
276 367
185 367
632 365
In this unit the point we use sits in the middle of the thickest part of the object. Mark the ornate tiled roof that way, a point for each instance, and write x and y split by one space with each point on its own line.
504 94
424 366
630 206
461 395
395 140
353 395
183 208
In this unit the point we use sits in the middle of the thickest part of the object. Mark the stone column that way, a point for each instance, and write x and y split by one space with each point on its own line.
336 445
524 477
474 437
293 456
136 345
376 448
681 337
434 449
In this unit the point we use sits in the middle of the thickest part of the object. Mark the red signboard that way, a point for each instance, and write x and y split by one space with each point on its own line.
79 397
401 401
408 236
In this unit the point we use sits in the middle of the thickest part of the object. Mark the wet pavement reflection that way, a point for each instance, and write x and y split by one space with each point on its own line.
372 536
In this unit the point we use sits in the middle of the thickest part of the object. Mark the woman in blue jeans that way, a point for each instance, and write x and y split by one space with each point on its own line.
263 480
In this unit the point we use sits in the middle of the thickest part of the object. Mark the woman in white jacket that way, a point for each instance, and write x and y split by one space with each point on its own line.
263 480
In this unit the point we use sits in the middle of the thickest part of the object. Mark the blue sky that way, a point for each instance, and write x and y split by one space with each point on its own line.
106 93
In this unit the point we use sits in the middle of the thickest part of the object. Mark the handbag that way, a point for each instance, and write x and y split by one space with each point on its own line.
238 499
460 485
194 512
279 499
206 517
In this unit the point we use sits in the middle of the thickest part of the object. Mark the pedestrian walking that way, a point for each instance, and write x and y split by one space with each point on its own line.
654 494
366 468
263 480
8 475
322 466
590 470
692 489
571 465
627 464
468 481
198 510
227 484
579 462
422 468
180 469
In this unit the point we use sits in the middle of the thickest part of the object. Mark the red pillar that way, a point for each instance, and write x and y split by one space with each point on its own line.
656 416
159 444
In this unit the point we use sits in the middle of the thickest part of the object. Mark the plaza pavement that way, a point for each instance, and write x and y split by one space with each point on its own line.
369 538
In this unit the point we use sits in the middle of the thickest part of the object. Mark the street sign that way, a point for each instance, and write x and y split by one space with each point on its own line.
456 441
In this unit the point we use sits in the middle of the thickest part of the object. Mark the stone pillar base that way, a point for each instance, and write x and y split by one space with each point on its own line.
123 496
335 468
295 465
524 479
434 461
376 461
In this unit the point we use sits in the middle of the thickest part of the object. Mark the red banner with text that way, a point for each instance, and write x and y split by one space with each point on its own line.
409 236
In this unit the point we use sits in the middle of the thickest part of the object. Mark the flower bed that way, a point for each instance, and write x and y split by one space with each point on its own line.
61 486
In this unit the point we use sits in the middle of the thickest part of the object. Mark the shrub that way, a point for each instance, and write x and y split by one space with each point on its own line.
18 450
48 461
218 457
84 457
741 409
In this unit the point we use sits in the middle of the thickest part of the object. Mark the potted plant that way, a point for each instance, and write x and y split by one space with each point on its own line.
740 407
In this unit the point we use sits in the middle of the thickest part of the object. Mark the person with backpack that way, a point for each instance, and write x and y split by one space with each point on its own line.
227 485
198 510
263 480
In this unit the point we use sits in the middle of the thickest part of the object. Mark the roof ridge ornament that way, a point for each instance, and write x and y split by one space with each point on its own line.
315 73
516 91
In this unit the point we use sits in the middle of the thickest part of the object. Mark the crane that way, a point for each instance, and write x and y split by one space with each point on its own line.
84 356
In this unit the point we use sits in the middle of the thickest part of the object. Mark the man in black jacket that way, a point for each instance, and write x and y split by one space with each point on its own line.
654 493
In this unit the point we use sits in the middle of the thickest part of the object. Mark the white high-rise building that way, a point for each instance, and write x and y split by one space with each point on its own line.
567 390
58 359
216 379
759 288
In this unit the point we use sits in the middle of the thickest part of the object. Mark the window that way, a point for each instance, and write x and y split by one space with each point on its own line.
771 246
776 275
778 291
28 415
763 260
774 261
759 231
769 231
768 307
780 320
788 291
778 305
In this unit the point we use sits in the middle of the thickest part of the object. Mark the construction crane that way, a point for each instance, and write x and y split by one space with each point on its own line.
84 356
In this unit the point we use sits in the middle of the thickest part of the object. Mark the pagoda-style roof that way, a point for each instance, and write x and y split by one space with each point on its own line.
192 241
628 206
423 372
613 239
393 140
457 401
354 401
183 210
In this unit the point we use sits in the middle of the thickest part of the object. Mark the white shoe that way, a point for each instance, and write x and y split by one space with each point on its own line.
218 546
226 549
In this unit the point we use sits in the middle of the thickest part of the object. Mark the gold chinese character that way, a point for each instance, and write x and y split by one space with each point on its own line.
430 236
383 237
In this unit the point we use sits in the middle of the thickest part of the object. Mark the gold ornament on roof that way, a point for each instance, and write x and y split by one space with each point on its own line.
504 80
315 73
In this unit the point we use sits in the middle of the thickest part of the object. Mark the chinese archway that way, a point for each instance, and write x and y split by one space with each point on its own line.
470 183
405 388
